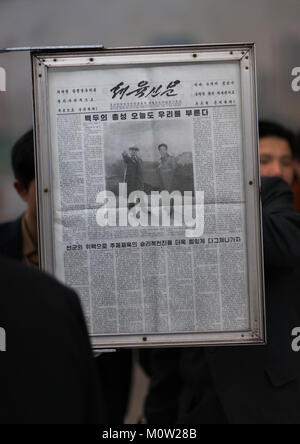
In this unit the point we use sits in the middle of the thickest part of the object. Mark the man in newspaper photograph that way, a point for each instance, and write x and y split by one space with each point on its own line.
166 169
134 174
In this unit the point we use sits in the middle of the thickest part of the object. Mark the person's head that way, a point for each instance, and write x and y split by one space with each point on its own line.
24 170
277 151
133 150
163 149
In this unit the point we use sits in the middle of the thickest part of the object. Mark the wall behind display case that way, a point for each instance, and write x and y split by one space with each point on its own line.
272 24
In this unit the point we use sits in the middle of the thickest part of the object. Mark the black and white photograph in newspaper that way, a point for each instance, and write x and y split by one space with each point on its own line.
149 156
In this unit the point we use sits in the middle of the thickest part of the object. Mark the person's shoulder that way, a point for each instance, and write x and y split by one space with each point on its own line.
25 283
276 190
171 157
270 184
10 268
172 160
10 229
11 238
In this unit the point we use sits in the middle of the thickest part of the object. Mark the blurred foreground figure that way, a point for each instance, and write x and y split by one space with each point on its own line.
277 151
249 384
47 373
280 156
296 186
18 240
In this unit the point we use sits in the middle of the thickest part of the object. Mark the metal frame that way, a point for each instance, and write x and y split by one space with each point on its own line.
42 61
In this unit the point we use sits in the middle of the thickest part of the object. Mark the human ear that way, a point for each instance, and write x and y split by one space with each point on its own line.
21 190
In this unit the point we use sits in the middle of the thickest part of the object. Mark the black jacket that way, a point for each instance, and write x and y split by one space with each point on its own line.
255 385
11 239
47 373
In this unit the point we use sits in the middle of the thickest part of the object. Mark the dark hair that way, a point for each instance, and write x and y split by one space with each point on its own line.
23 159
162 145
272 129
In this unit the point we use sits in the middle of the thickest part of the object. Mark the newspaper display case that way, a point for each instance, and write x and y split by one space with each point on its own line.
119 130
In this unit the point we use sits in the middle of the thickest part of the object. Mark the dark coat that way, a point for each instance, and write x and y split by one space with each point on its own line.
134 175
116 384
47 373
11 239
252 384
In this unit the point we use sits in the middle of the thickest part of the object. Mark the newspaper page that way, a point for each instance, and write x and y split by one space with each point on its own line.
123 139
